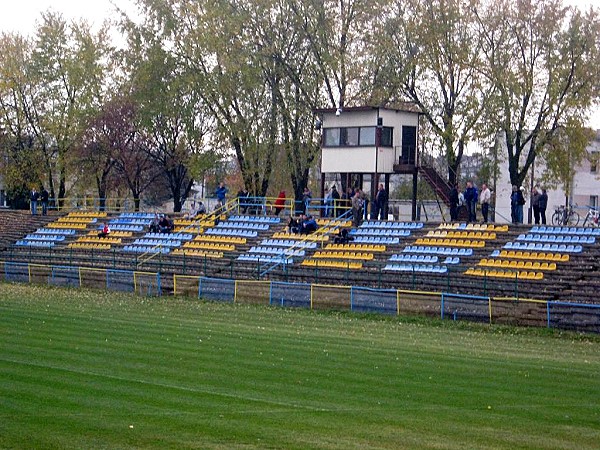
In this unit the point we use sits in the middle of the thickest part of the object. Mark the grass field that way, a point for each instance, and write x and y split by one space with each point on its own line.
82 369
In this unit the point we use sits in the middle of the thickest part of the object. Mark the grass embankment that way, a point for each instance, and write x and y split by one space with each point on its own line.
81 369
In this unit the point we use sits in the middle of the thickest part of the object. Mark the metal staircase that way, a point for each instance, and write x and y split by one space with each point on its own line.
440 186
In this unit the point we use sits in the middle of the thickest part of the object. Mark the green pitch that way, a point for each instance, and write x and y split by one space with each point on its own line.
85 370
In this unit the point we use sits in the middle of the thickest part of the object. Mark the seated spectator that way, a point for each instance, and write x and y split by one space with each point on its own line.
201 208
293 226
105 231
343 237
154 228
165 225
308 225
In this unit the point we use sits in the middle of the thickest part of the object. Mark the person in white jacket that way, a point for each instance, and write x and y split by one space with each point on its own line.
484 198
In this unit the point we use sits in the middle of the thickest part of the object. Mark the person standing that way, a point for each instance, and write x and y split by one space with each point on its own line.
471 200
535 204
484 199
279 203
382 202
327 202
516 205
543 204
243 202
44 200
454 200
335 198
221 193
357 209
34 196
306 199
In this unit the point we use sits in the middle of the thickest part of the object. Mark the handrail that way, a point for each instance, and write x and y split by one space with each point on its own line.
226 208
85 203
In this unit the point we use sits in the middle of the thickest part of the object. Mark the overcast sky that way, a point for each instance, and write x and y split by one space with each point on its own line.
21 16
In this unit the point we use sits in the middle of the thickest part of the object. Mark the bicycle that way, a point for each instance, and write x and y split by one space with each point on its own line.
565 216
592 218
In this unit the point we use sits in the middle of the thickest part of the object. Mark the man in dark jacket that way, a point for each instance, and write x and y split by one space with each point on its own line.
543 204
34 196
535 204
335 197
381 199
471 200
454 203
44 200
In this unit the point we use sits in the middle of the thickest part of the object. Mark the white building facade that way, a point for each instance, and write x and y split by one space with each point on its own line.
586 185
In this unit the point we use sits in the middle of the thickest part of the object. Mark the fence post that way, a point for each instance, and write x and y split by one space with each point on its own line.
548 315
442 307
184 262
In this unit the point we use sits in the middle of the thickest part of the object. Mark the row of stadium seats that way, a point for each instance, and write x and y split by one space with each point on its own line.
209 246
445 251
158 242
288 243
332 264
231 232
221 239
530 246
473 226
554 238
45 237
301 237
523 274
265 259
57 231
380 232
344 255
169 236
71 219
468 243
197 253
145 249
391 225
277 251
521 264
88 214
243 226
259 219
566 230
462 234
89 246
428 268
352 246
537 256
385 240
425 259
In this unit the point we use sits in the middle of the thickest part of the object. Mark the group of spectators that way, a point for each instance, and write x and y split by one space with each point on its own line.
161 224
334 204
469 199
35 197
303 224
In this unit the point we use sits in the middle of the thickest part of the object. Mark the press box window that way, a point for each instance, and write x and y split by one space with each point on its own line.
331 137
387 137
350 137
367 136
